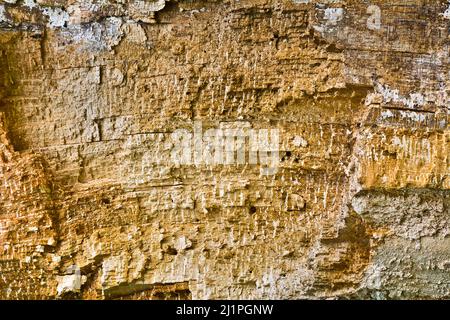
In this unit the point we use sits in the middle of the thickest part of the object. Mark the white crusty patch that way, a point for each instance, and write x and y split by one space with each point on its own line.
3 17
56 17
300 142
30 4
446 13
333 15
393 95
387 114
331 18
412 115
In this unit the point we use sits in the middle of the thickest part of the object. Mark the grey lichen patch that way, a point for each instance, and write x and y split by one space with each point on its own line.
59 16
408 215
92 36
